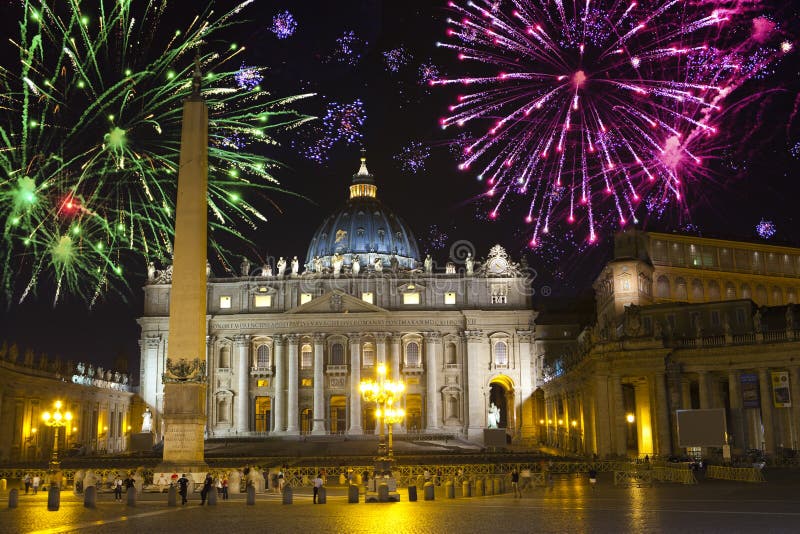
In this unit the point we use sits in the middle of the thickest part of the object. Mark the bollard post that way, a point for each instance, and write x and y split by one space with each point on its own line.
466 490
53 498
287 494
352 494
383 492
412 493
450 489
479 488
3 484
322 497
13 498
429 495
131 495
90 497
172 496
496 486
489 486
211 498
251 495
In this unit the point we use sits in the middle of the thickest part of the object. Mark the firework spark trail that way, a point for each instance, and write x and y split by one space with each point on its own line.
610 100
90 137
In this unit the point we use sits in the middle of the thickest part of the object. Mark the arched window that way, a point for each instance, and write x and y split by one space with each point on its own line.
791 296
450 354
337 354
412 354
680 289
713 290
262 357
662 287
697 290
306 357
501 354
746 293
777 296
225 357
730 291
761 295
368 355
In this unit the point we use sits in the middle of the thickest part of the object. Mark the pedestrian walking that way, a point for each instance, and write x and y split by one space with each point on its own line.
208 485
35 483
515 483
118 488
592 477
224 488
317 486
27 481
183 487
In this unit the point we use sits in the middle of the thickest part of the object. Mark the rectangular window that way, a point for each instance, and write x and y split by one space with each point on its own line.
263 301
305 297
739 316
225 302
368 297
450 298
262 383
411 298
306 382
714 317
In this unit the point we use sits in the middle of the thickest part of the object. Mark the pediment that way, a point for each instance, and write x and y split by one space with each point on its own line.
336 302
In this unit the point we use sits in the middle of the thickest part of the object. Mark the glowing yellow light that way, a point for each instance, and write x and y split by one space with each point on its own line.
574 423
541 421
630 418
560 421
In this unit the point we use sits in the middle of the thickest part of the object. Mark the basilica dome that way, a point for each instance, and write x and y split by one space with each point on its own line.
364 226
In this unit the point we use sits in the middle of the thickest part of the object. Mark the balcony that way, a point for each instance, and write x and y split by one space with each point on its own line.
413 370
336 370
261 372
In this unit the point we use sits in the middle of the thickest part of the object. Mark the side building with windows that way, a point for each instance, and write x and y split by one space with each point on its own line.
288 344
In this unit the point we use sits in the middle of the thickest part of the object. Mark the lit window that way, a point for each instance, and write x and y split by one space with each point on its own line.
450 298
305 297
337 354
412 355
306 382
368 297
411 298
262 383
369 355
305 357
501 354
263 301
225 302
262 356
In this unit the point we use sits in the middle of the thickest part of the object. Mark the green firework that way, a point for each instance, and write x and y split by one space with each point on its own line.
90 114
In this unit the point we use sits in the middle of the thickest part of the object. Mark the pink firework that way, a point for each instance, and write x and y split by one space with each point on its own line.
588 107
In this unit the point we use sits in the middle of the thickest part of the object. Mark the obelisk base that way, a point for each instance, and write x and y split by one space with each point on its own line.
184 427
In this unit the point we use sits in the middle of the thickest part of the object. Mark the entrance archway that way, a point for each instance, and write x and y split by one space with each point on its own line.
501 393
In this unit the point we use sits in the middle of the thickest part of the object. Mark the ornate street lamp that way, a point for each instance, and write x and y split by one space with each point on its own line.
384 393
56 420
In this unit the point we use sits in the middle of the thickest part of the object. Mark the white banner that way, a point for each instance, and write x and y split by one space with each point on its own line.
781 396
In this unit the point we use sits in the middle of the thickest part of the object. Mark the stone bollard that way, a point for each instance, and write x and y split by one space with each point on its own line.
496 486
479 488
466 490
429 495
487 483
13 498
450 489
131 496
412 493
172 496
322 497
53 498
287 494
3 484
251 495
90 497
211 498
352 494
383 492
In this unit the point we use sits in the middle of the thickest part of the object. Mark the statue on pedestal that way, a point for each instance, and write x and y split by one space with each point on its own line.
281 266
470 262
318 265
337 262
493 418
147 421
245 267
378 265
356 266
295 266
428 264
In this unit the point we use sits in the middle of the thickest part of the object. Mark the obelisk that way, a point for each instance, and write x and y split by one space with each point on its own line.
185 371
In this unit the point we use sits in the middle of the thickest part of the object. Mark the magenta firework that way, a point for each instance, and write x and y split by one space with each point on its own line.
595 108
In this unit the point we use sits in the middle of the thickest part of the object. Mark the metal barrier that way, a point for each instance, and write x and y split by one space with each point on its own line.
633 478
669 474
738 474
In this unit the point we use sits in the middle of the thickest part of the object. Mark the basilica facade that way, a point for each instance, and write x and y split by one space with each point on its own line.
289 344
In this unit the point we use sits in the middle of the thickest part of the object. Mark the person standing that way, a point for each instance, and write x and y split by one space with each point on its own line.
592 477
117 488
515 483
224 488
317 486
183 487
208 485
27 481
35 483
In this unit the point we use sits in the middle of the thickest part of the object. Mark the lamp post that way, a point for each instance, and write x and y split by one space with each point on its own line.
56 420
384 393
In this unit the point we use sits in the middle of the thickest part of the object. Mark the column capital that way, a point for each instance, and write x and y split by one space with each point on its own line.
291 338
241 339
397 337
152 342
474 336
381 336
210 340
432 337
525 336
354 337
278 340
319 339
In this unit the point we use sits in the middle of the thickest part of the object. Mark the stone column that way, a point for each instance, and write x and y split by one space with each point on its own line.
620 423
380 354
319 382
433 355
527 425
794 384
477 361
355 382
291 395
394 369
735 398
767 419
662 408
150 376
702 388
243 381
279 408
211 372
686 393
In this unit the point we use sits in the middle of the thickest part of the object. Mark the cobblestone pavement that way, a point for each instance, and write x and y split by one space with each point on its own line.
570 505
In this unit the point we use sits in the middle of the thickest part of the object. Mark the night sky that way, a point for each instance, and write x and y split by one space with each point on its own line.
749 181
